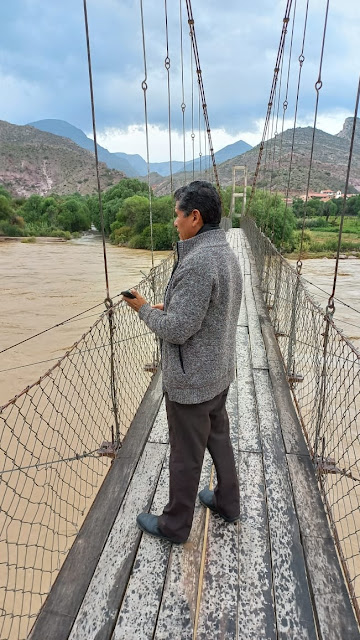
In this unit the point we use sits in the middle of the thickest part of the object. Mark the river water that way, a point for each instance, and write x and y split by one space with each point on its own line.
45 283
319 276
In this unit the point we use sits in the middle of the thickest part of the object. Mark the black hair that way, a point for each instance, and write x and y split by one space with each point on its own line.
200 195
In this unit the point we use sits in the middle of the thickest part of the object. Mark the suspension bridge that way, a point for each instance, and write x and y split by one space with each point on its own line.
73 563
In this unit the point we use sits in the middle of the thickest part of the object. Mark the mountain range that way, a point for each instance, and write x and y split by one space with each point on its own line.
33 160
132 164
329 164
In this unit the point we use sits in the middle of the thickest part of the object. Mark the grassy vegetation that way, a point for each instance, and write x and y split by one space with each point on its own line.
322 241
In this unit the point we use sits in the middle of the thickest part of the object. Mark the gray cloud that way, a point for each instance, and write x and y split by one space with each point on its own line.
43 67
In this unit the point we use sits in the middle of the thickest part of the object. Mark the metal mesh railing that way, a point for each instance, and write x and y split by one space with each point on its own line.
324 374
50 436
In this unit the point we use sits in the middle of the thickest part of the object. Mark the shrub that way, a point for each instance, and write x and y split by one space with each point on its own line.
120 235
28 240
137 242
162 237
307 240
311 223
11 230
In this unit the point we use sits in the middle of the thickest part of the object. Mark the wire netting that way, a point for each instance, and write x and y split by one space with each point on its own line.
50 437
322 367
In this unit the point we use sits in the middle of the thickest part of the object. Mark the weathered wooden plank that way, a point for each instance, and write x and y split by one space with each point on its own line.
249 436
62 604
258 353
247 269
334 610
309 506
99 609
218 611
160 430
294 613
335 616
243 318
220 581
140 606
256 616
292 433
177 612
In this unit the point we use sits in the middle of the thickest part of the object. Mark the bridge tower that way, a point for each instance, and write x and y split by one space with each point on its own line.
238 195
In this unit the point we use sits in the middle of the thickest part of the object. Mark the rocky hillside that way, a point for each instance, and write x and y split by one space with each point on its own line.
328 168
33 161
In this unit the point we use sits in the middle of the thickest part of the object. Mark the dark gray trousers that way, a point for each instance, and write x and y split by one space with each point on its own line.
192 429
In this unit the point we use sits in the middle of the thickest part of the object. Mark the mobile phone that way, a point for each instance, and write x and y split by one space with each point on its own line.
127 294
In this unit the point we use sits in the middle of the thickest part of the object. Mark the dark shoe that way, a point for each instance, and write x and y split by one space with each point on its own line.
206 497
148 523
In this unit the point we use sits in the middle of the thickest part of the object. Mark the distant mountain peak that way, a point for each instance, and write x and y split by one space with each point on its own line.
346 131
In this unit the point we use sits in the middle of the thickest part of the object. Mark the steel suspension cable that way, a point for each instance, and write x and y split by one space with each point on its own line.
95 146
59 324
268 144
205 152
183 105
318 86
202 90
285 103
144 88
192 110
167 67
271 98
269 141
274 148
331 298
200 153
301 62
276 127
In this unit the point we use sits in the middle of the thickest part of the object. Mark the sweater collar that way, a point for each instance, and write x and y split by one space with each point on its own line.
208 226
211 238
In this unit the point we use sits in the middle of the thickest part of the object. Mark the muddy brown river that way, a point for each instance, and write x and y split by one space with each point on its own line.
319 274
45 283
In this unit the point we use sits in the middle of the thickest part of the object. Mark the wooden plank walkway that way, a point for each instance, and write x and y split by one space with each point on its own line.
274 575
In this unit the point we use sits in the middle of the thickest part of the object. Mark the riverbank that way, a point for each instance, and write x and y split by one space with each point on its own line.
308 255
30 239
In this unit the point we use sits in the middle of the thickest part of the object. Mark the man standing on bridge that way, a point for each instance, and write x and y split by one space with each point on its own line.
197 326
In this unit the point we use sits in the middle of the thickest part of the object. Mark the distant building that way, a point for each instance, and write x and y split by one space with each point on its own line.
325 195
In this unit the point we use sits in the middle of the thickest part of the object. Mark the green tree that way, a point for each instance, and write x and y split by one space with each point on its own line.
6 210
314 207
5 193
162 237
298 207
74 216
32 208
113 199
330 209
11 224
353 206
271 214
135 214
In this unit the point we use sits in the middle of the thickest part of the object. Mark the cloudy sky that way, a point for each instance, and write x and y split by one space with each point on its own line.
43 67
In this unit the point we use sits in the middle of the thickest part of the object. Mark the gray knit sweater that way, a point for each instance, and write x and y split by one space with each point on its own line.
198 324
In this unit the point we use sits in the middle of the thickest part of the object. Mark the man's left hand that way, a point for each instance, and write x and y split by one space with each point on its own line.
137 302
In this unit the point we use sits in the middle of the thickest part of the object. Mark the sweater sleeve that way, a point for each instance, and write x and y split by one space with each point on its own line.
190 299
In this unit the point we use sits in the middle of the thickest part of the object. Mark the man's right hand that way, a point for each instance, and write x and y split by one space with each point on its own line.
158 306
